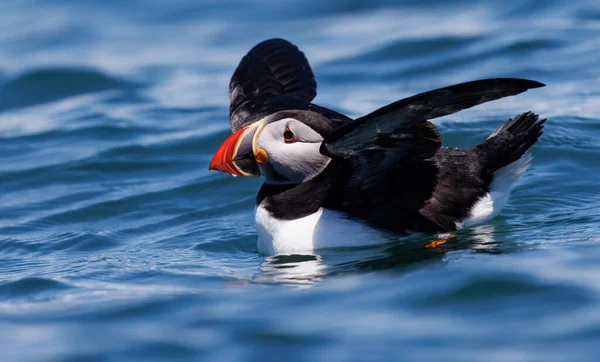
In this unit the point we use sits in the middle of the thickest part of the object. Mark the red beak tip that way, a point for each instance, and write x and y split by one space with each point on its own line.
223 158
220 167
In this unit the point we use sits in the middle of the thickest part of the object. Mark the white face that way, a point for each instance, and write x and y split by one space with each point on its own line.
293 152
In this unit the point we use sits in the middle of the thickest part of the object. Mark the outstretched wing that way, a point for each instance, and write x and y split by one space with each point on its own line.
274 76
389 171
399 124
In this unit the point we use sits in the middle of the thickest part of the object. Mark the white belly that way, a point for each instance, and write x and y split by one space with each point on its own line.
329 229
323 229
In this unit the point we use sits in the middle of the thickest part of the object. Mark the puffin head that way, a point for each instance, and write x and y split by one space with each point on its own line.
283 147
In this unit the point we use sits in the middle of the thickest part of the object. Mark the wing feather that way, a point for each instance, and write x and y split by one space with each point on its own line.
401 117
273 76
389 159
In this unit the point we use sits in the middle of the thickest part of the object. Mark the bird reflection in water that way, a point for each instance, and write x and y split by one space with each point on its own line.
399 256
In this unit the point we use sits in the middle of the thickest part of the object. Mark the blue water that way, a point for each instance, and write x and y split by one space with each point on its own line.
117 243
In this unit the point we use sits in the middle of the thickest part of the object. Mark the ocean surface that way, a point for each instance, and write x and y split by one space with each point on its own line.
117 243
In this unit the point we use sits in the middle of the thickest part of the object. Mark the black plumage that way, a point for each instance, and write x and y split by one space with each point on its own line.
388 168
273 76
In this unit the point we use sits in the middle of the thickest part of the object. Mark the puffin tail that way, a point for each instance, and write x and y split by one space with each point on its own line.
511 141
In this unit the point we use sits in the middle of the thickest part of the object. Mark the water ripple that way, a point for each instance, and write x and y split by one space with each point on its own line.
117 243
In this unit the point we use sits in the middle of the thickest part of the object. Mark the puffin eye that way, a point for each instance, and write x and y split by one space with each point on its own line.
288 136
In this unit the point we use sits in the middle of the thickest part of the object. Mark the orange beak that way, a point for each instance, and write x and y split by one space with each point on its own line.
235 155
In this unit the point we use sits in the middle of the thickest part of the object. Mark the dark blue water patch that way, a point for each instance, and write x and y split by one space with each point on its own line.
16 246
87 130
52 84
499 289
409 48
52 39
523 9
413 59
86 242
165 114
21 206
31 288
277 11
167 149
507 60
115 166
590 15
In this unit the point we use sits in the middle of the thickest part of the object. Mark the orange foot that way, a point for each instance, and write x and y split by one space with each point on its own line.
439 242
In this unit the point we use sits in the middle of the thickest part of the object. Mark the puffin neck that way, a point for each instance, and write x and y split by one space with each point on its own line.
292 201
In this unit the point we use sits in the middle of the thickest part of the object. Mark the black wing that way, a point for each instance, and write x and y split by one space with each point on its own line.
395 123
274 76
386 157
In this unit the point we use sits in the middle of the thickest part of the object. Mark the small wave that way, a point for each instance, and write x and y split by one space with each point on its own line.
31 287
52 84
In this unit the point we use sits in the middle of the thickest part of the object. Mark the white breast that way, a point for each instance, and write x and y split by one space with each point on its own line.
323 229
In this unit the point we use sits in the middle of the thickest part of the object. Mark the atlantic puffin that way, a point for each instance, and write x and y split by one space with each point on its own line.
334 181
